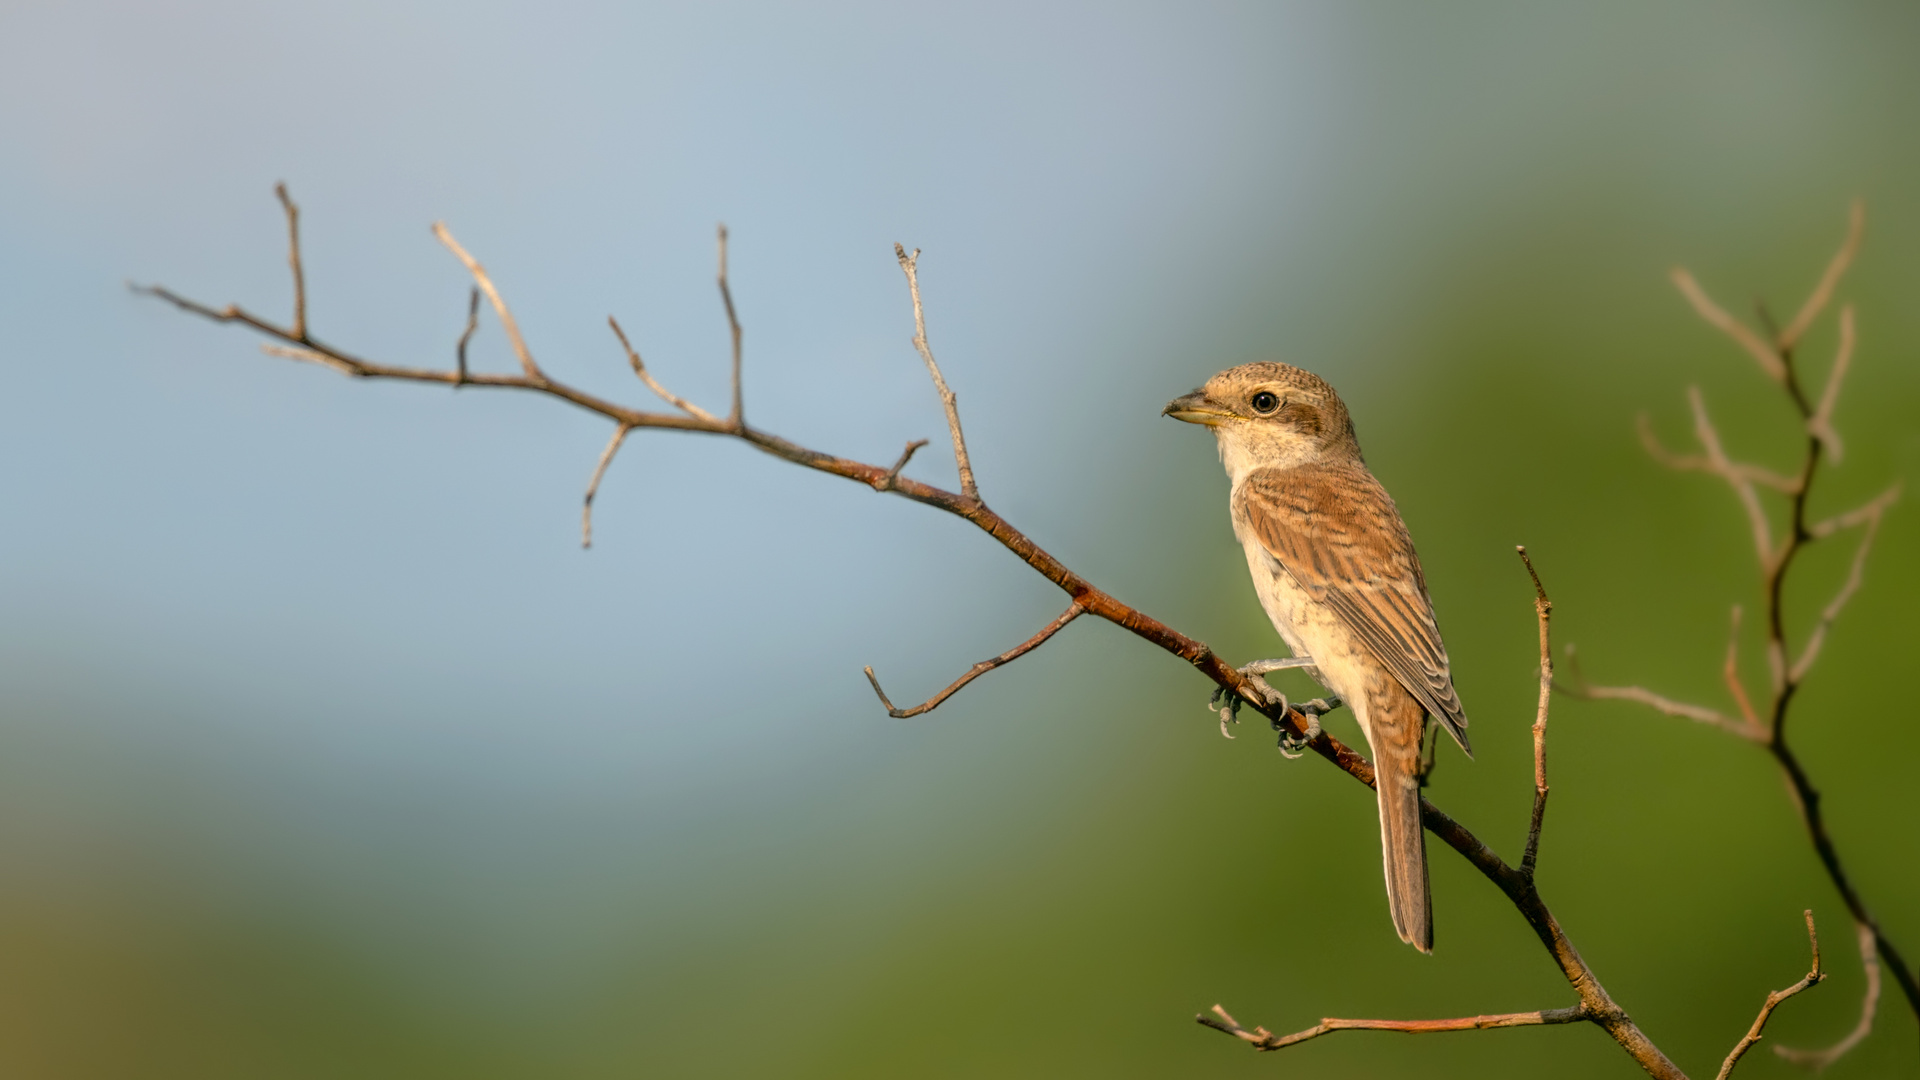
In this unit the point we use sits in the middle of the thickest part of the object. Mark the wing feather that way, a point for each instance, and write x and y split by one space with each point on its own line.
1337 533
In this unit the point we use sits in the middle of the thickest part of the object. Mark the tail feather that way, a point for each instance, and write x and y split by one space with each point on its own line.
1403 846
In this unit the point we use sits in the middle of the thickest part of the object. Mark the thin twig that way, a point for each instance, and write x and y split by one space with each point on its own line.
640 369
1700 463
1262 1039
1818 1060
1730 672
1719 464
738 416
311 356
1073 612
1820 424
1817 300
1543 608
1811 651
1666 705
1762 353
466 335
593 485
1814 978
910 265
893 474
481 279
299 327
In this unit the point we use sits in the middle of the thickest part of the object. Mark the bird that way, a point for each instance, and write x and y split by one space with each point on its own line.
1335 570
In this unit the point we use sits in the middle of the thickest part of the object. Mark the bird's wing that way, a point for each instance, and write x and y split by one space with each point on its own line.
1337 533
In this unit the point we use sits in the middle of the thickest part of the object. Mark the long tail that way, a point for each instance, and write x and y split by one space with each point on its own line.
1394 732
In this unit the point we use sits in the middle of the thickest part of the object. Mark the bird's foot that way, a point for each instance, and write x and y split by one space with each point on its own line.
1227 703
1293 746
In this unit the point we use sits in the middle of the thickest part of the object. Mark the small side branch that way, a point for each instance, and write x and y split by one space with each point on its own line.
1719 464
640 369
593 485
1073 612
1788 485
887 482
1543 609
1820 424
1818 1060
1262 1039
1836 268
910 265
1666 705
738 417
1814 978
1870 516
466 335
1730 673
1762 353
481 279
299 327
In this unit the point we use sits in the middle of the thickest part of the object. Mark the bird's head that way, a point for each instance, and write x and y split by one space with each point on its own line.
1269 416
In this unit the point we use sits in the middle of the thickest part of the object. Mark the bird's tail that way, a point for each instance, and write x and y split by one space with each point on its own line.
1396 747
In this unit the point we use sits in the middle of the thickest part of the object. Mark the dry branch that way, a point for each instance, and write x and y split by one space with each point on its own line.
1814 978
1768 726
1262 1039
1073 612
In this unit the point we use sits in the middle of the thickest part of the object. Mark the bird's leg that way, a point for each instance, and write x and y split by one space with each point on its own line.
1257 672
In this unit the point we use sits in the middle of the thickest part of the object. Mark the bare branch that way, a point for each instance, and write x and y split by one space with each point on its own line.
1820 424
1666 705
1763 354
593 485
1262 1039
737 417
1718 464
640 369
1543 609
1699 463
1811 651
1818 1060
1731 673
893 474
910 265
481 279
1823 292
466 335
1073 612
1814 978
299 328
1856 517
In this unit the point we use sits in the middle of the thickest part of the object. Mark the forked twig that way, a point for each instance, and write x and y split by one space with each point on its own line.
1817 1060
1814 978
481 279
910 265
1073 612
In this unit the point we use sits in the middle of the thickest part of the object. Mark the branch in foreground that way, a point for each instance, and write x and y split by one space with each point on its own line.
1262 1039
1814 978
1595 1005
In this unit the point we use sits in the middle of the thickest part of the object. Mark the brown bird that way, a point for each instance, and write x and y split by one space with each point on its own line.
1337 574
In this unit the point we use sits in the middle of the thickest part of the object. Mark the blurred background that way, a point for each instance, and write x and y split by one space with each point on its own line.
326 751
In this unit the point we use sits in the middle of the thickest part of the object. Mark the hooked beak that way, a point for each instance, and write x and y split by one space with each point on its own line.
1197 408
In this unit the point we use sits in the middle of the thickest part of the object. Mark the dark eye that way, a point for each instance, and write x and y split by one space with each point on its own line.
1264 402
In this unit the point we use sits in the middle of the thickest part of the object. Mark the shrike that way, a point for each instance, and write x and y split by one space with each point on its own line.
1336 572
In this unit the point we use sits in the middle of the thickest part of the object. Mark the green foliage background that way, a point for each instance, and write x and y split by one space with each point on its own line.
324 754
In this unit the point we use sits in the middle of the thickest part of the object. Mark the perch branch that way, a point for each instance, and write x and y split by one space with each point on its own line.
1814 978
1595 1004
1073 612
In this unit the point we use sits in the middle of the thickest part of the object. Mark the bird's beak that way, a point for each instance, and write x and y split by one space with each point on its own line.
1197 408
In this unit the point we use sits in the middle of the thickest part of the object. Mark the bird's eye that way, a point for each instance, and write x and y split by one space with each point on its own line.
1264 402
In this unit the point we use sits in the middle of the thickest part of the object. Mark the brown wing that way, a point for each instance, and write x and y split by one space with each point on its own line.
1340 537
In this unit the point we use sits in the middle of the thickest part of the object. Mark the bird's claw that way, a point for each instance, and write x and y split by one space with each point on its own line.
1227 704
1293 746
